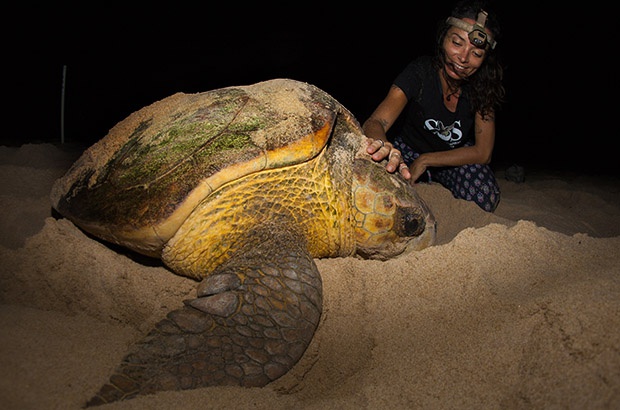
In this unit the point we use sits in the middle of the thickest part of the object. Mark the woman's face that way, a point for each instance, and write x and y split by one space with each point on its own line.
462 58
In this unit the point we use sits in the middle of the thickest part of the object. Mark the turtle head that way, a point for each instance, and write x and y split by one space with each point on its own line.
390 217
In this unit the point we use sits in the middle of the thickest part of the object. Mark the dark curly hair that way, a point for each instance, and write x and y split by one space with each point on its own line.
484 88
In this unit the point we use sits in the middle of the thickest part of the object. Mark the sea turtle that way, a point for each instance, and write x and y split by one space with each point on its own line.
239 188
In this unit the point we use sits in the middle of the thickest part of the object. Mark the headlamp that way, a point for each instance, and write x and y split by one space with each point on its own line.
477 36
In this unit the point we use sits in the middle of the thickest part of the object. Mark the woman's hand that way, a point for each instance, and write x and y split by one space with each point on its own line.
378 124
379 150
417 168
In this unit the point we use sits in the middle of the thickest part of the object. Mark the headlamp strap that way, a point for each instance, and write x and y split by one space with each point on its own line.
482 18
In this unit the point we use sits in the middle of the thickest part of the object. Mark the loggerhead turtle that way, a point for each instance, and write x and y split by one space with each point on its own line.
239 188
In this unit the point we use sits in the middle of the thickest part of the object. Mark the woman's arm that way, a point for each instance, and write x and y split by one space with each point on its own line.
377 125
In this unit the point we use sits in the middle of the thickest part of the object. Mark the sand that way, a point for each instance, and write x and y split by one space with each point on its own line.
513 310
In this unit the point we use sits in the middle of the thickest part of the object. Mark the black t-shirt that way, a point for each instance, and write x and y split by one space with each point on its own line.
426 125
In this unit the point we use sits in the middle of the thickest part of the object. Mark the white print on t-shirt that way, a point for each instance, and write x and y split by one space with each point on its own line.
450 134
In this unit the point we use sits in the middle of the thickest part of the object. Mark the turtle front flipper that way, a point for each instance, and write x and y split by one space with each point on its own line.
251 322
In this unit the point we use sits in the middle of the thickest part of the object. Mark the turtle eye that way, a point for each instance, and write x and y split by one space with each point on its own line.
412 224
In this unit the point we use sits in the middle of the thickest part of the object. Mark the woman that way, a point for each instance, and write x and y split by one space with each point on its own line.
445 106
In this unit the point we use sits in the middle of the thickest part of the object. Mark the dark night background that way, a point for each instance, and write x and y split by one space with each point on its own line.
558 61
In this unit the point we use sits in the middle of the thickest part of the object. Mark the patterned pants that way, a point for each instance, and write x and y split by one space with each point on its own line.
472 182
